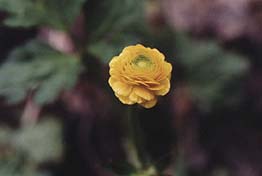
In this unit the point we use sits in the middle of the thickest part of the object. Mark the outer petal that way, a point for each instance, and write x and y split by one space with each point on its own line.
113 61
156 87
143 93
112 81
134 97
131 48
165 89
168 68
132 85
149 104
119 87
124 100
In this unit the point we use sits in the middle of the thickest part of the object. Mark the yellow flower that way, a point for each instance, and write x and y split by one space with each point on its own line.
140 75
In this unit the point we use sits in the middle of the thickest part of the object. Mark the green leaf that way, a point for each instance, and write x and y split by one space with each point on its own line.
37 67
116 26
105 49
210 71
24 149
41 142
121 168
58 14
113 17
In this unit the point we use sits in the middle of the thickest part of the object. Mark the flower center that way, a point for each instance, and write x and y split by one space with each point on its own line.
142 62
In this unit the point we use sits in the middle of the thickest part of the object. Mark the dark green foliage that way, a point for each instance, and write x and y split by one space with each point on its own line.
113 17
105 50
210 71
122 168
59 14
114 26
37 68
23 149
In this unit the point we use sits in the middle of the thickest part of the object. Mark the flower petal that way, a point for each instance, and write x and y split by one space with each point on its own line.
143 93
165 89
124 100
119 87
168 68
140 74
113 62
149 104
134 97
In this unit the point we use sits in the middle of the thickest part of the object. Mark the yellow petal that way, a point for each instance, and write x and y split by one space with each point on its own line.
134 97
143 93
113 62
112 81
140 74
168 68
156 87
119 87
124 100
149 104
132 48
165 89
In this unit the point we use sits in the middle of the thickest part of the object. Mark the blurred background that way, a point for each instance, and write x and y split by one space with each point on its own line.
59 117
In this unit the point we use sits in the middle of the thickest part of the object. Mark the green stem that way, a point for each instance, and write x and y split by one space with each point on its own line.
132 140
134 144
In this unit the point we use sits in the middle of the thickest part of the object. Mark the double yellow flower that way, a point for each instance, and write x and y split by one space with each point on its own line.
140 75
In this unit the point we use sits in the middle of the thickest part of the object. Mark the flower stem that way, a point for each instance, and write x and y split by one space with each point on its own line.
135 146
131 143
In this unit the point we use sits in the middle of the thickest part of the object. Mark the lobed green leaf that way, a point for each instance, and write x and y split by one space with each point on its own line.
38 68
210 70
58 14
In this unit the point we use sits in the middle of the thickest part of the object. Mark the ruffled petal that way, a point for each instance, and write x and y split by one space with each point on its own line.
143 93
139 75
134 97
119 87
165 88
149 104
125 100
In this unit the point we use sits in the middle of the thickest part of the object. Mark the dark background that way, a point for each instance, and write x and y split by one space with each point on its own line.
58 115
